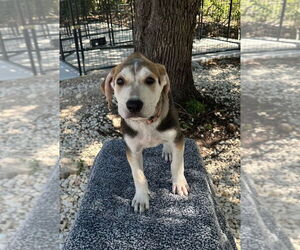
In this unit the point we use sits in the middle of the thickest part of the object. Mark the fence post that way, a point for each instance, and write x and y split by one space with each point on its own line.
80 36
75 36
201 18
61 49
34 38
111 30
26 37
3 49
281 19
229 19
86 24
131 13
105 9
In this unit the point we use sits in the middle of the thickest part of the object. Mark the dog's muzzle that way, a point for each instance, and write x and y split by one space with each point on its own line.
134 106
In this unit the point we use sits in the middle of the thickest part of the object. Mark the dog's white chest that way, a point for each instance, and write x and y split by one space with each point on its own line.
149 138
147 135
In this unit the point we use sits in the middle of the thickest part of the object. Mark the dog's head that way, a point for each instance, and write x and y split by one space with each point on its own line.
138 85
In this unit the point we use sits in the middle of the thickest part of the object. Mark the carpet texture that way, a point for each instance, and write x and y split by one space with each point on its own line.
107 221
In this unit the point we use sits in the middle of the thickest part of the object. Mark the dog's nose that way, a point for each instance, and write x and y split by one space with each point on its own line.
134 105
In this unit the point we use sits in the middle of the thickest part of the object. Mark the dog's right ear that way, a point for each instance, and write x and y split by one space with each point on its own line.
106 88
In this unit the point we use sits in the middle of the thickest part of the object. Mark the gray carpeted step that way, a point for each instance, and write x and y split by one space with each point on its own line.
107 221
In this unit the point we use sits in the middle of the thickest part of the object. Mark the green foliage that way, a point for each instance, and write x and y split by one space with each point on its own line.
217 11
89 8
266 11
293 12
80 165
208 126
195 107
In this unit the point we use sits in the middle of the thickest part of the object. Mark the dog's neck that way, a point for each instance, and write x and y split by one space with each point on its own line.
158 111
161 109
154 118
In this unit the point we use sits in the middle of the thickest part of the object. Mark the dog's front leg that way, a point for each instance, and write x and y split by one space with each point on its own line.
180 185
140 201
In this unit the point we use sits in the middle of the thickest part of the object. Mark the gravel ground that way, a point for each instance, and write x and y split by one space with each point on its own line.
29 135
221 81
271 138
86 123
17 199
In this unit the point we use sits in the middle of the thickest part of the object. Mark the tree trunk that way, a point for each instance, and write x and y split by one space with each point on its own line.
164 32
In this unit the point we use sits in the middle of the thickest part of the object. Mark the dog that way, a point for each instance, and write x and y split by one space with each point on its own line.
148 118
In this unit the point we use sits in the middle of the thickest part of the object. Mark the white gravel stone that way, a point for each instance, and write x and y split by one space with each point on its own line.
29 132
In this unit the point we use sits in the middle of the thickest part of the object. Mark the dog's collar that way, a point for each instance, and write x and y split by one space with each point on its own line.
154 118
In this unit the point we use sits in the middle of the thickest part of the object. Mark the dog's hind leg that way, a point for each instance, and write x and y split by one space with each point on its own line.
180 185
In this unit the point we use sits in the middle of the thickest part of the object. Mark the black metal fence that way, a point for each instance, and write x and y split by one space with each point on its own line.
29 39
218 27
89 33
98 34
272 18
270 25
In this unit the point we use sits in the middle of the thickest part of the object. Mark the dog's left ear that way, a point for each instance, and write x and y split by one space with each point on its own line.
164 78
106 88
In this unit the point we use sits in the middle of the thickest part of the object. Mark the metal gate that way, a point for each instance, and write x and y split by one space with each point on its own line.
29 38
90 33
99 34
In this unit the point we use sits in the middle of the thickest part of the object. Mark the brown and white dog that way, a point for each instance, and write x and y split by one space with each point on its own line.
149 118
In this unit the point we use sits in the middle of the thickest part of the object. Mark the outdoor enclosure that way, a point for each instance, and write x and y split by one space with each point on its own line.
269 25
99 34
29 38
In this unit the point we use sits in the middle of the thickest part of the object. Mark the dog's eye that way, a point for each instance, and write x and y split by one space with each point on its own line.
149 80
120 81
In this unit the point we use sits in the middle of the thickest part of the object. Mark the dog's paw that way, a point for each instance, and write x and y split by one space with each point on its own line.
180 186
140 202
166 153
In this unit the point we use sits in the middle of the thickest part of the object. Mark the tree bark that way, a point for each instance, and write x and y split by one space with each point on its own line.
164 33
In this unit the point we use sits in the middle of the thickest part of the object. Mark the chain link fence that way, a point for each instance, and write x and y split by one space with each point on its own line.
270 25
99 34
28 39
